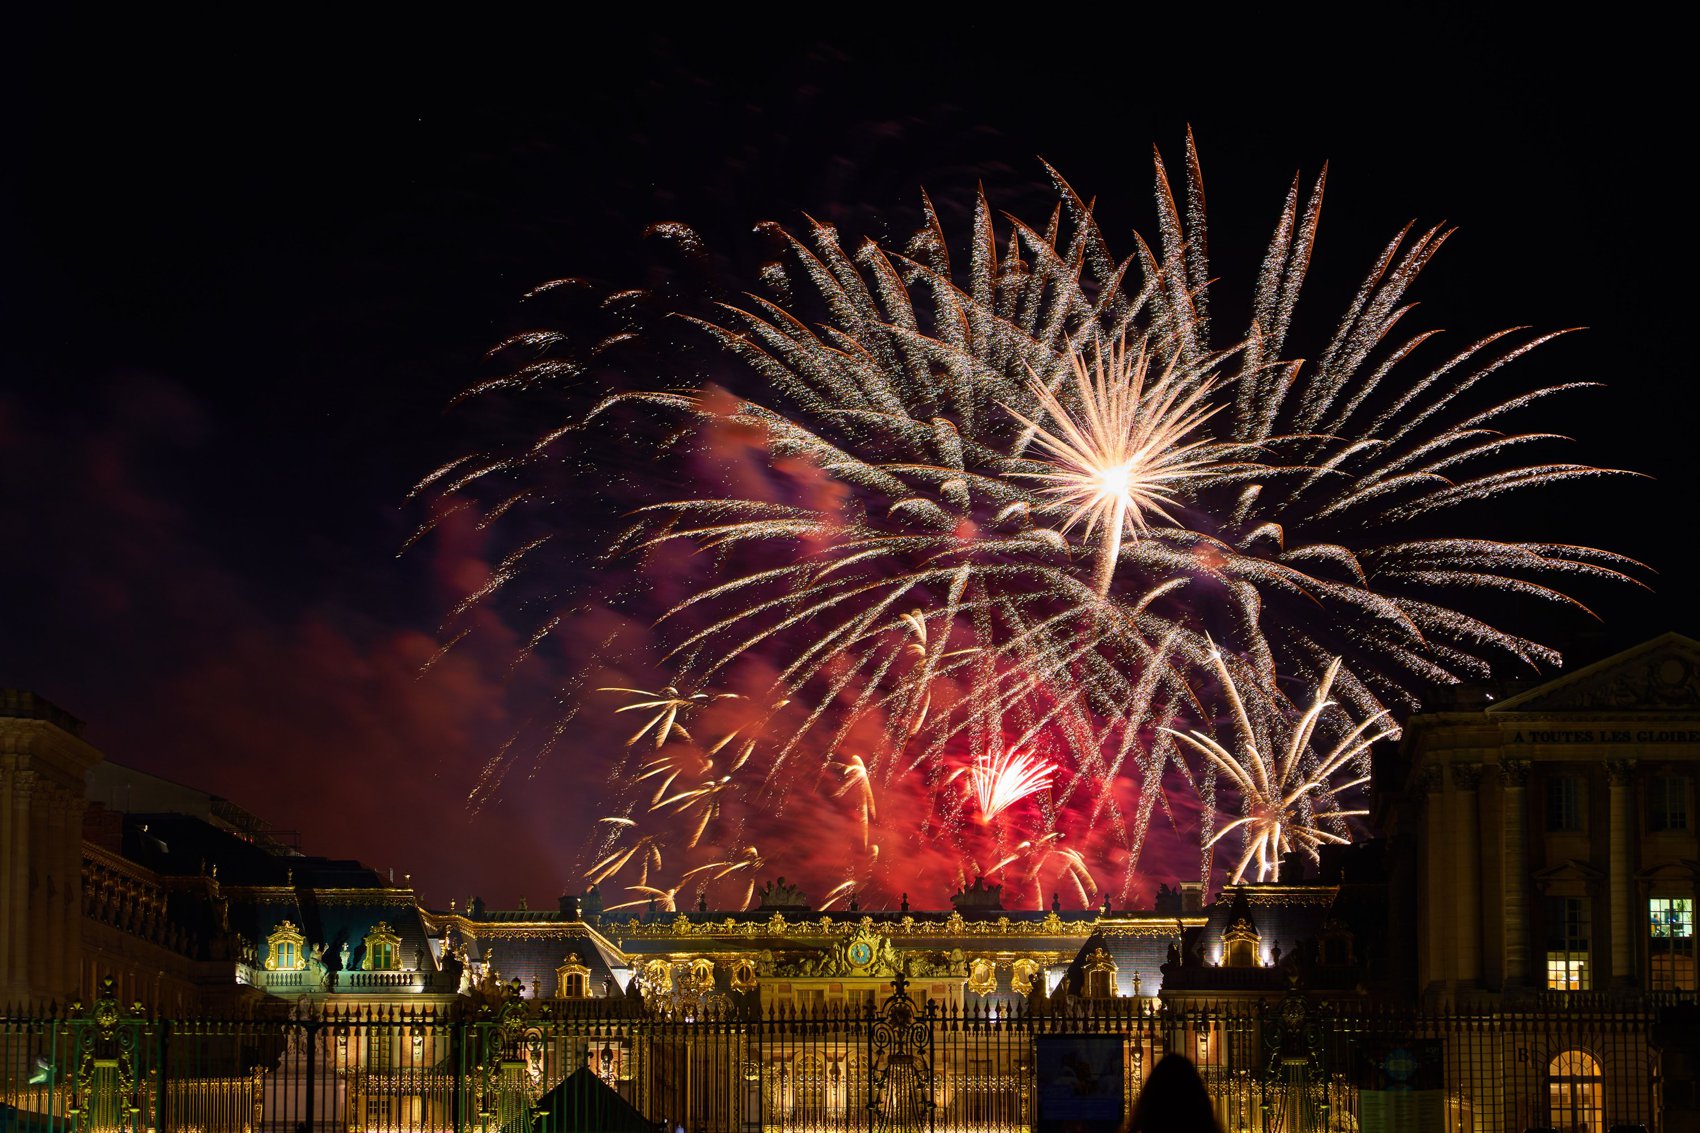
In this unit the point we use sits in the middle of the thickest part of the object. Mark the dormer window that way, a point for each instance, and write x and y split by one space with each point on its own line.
1335 944
383 949
1240 944
1100 975
572 979
286 949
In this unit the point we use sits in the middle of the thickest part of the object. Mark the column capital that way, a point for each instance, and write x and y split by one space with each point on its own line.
24 784
1427 779
1514 773
1465 776
1620 772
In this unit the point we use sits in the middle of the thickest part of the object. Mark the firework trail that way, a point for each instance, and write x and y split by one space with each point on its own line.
1289 793
950 507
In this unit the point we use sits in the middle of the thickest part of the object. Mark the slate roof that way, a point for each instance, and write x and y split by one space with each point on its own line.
1138 947
529 944
1290 921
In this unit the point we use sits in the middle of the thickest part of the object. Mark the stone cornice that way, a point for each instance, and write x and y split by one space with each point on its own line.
102 858
953 927
399 898
48 747
1160 927
1276 896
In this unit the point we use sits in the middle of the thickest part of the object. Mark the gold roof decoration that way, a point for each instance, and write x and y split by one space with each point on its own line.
982 975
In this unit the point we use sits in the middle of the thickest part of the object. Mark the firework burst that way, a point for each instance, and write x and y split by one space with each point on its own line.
998 782
933 513
1118 450
1288 790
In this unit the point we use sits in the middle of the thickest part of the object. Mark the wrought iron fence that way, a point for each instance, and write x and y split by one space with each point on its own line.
539 1065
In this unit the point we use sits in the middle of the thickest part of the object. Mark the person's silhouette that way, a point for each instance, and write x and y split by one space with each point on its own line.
1173 1101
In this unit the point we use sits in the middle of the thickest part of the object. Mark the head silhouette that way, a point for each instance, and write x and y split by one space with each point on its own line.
1173 1101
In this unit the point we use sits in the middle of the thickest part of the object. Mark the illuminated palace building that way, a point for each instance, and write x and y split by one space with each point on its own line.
1513 950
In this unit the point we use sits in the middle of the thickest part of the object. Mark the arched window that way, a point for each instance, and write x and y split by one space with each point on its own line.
809 1106
572 979
383 946
1576 1092
1100 972
1240 945
286 949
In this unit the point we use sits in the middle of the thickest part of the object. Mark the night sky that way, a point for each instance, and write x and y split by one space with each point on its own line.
238 298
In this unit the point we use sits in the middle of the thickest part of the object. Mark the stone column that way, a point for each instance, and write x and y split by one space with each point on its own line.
71 976
16 914
1467 863
1621 775
1433 946
40 902
8 773
1514 778
67 868
50 819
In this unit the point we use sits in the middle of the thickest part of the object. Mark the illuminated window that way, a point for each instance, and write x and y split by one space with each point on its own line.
380 1047
383 948
1575 1091
1567 944
1667 804
286 949
572 979
1100 971
1564 803
1670 946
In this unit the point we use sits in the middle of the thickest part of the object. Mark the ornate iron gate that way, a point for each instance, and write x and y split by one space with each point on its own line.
900 1063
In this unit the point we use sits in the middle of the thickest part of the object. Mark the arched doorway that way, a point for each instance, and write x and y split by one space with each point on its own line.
1576 1093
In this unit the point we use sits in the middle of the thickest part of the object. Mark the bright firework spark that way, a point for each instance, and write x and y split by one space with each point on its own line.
1288 792
998 782
1035 855
745 862
855 772
666 768
705 800
650 895
644 849
665 707
887 551
1123 453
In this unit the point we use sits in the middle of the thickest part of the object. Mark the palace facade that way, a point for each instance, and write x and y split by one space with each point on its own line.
1515 949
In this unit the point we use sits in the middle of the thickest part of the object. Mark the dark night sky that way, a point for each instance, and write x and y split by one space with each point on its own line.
238 297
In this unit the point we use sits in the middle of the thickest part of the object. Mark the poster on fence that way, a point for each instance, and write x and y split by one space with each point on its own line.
1402 1087
1080 1083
